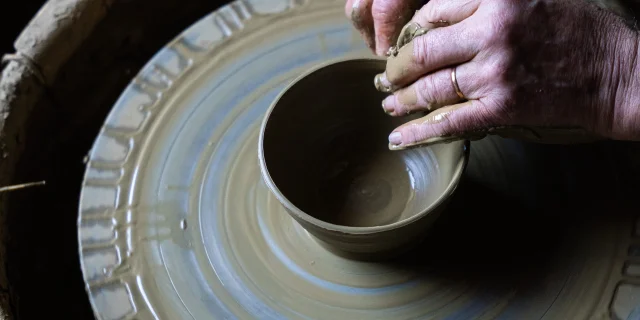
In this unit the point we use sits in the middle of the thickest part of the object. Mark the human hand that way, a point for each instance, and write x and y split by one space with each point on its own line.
380 21
520 65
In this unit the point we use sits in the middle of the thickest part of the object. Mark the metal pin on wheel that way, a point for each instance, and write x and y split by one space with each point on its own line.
454 80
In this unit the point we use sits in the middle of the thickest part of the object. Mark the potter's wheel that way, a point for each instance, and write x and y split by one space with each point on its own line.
176 223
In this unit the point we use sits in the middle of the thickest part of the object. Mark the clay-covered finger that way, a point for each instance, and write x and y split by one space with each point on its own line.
389 16
348 7
445 124
433 91
437 49
361 16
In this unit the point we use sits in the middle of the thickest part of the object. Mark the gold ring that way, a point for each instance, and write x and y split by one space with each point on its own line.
454 80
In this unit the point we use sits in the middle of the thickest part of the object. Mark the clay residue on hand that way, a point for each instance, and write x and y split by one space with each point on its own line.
407 96
400 66
400 56
363 21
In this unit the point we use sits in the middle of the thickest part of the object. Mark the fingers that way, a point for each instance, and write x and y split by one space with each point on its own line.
359 11
380 21
447 42
444 123
435 90
423 69
437 49
389 16
445 12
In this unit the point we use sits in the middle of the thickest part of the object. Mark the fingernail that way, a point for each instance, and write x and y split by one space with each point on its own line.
395 138
387 105
381 83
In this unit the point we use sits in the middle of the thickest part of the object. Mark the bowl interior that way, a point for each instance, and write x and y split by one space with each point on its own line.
326 150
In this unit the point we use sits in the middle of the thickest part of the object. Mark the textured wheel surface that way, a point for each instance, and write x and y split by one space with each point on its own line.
176 223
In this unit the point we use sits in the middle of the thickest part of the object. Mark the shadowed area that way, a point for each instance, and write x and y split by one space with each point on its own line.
43 266
517 211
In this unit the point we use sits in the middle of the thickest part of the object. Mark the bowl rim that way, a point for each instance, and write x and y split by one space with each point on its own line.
297 212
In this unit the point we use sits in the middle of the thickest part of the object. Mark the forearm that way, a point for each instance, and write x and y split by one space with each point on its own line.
625 122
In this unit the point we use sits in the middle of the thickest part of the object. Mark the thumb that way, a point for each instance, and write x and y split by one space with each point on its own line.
446 124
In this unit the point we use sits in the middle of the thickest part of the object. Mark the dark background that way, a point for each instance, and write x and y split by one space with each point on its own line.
42 260
16 15
30 276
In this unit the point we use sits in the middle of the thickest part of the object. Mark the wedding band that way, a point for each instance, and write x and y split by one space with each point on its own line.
454 80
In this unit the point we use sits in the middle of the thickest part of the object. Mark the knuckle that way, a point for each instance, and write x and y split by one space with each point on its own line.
429 12
387 11
379 11
418 132
421 49
494 71
499 28
426 91
387 16
498 67
493 36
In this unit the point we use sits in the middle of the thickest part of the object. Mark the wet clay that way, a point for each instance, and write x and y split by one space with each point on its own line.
407 96
399 66
200 235
360 189
327 154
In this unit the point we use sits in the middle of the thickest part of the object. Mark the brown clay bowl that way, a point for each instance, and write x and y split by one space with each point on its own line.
324 154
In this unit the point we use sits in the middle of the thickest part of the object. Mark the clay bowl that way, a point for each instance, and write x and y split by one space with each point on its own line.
324 154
